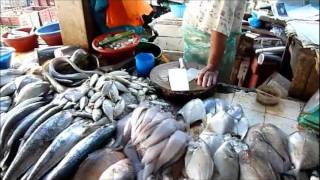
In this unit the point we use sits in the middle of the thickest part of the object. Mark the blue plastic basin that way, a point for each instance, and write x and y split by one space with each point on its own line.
5 57
144 63
177 9
49 29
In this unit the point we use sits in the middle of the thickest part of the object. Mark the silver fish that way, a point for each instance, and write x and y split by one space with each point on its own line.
6 79
119 108
136 118
56 85
220 123
133 91
94 78
254 167
68 105
88 109
58 148
20 130
69 164
11 71
226 162
150 114
101 122
75 94
8 89
37 144
84 115
95 96
270 144
96 114
154 151
121 87
118 73
83 102
64 81
107 108
90 93
177 142
163 130
198 161
159 117
193 111
112 92
100 83
303 150
132 106
99 102
12 120
213 141
39 121
31 90
5 103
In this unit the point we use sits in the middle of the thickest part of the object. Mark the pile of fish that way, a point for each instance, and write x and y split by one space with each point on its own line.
16 87
45 133
227 149
157 138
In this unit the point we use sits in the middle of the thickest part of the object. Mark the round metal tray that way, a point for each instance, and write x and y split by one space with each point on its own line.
159 76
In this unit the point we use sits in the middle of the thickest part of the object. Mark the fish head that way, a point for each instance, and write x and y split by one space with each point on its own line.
193 111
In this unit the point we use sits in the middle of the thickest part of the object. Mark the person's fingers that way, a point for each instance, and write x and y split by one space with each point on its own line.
209 83
205 79
215 78
200 76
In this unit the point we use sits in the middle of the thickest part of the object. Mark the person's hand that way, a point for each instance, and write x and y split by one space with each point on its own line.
207 77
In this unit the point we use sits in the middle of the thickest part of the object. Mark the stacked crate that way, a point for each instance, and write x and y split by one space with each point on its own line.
29 16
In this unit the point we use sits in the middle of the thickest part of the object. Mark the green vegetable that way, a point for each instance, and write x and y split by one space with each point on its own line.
108 40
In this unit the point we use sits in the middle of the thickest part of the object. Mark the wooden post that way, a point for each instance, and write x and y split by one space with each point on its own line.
76 23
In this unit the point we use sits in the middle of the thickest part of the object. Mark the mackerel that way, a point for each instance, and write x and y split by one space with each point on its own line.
38 142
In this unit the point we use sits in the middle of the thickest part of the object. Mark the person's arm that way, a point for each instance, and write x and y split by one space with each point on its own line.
208 75
218 41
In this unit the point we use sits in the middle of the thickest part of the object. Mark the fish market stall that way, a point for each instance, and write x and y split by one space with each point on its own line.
126 110
61 121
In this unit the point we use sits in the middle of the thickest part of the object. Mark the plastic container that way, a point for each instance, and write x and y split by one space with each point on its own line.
178 10
144 63
114 56
309 117
22 44
51 34
5 57
254 20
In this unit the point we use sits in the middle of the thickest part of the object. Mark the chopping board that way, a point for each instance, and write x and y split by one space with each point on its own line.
160 78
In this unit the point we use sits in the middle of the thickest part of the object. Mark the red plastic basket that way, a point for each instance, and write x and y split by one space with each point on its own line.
115 55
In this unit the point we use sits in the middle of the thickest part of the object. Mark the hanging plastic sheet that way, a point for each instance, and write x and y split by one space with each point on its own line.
124 12
98 11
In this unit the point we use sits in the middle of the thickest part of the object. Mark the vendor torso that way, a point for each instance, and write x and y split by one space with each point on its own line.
203 17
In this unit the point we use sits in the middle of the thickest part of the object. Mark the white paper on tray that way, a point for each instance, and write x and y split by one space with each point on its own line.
178 80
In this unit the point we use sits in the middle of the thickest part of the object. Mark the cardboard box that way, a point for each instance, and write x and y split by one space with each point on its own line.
25 20
5 21
45 16
53 14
